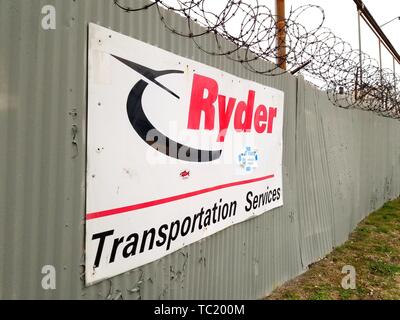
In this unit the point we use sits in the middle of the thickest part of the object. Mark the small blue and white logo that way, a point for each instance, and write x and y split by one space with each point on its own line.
248 160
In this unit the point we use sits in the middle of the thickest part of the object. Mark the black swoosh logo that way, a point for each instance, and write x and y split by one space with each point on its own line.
142 125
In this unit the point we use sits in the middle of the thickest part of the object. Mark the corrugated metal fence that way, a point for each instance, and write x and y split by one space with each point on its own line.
339 165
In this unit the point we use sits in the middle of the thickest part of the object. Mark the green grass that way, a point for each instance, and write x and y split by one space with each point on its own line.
384 249
383 268
374 251
291 296
345 294
321 294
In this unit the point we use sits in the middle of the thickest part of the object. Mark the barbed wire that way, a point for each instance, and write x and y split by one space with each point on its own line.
352 79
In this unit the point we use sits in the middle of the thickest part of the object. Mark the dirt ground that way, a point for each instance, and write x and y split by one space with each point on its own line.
373 249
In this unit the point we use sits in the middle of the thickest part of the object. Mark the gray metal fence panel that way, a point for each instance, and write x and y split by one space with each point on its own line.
313 180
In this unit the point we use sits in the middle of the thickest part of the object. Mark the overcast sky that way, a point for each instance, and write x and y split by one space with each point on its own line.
341 17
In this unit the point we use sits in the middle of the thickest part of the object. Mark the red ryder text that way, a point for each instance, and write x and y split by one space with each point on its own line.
205 96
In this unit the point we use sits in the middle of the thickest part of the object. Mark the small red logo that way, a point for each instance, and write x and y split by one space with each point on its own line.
185 174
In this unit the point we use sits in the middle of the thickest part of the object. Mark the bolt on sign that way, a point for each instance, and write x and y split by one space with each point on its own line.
176 151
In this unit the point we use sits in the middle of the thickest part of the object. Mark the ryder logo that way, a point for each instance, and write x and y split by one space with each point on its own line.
204 98
142 125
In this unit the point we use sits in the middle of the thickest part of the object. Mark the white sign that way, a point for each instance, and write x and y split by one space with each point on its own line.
176 152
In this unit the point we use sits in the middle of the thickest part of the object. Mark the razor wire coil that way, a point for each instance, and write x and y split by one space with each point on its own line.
352 79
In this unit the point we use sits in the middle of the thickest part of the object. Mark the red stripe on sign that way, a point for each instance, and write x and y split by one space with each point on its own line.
153 203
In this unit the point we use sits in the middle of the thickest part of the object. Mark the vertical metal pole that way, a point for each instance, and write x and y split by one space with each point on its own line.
394 75
380 60
359 46
356 85
281 34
